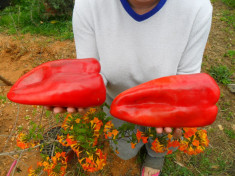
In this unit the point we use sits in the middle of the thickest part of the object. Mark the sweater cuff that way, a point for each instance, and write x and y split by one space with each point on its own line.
104 79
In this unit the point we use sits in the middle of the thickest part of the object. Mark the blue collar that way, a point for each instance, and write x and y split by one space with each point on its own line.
145 16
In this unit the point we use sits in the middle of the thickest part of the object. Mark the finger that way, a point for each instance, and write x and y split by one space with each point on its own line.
167 130
177 133
49 108
57 110
149 173
71 110
86 109
81 110
159 130
153 171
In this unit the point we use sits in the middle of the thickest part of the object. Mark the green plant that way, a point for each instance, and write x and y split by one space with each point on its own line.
3 99
60 6
4 3
30 17
230 53
230 133
174 168
85 134
221 74
208 165
229 17
230 3
230 115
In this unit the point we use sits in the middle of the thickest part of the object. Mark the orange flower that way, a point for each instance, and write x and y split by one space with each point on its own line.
91 111
108 126
58 160
77 120
138 135
189 132
62 140
157 146
173 143
114 132
85 118
195 143
22 142
97 125
100 164
144 139
22 145
109 134
170 136
96 120
199 149
190 151
31 171
106 136
169 152
90 164
100 154
77 151
57 155
95 142
202 135
133 145
39 163
67 119
70 141
34 106
183 145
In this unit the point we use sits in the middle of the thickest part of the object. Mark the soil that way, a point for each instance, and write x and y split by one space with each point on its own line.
19 54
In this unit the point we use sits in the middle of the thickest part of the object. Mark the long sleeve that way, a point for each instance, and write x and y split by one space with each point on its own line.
192 56
84 34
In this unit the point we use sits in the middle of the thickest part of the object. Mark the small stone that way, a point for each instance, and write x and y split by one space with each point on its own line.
179 163
231 87
25 157
233 127
221 127
215 166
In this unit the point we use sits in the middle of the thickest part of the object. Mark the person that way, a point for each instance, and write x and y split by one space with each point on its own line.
140 40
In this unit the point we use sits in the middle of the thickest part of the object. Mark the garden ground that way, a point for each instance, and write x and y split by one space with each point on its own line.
20 53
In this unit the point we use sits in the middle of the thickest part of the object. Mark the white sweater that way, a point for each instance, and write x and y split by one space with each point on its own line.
133 48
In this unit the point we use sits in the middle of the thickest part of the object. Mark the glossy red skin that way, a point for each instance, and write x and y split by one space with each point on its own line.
173 101
64 83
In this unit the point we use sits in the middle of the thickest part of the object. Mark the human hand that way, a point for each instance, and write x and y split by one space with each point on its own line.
177 132
57 110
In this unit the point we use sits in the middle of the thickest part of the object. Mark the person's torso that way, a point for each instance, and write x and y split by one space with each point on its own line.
133 52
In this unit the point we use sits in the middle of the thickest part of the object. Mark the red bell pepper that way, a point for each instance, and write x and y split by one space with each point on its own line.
64 83
173 101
